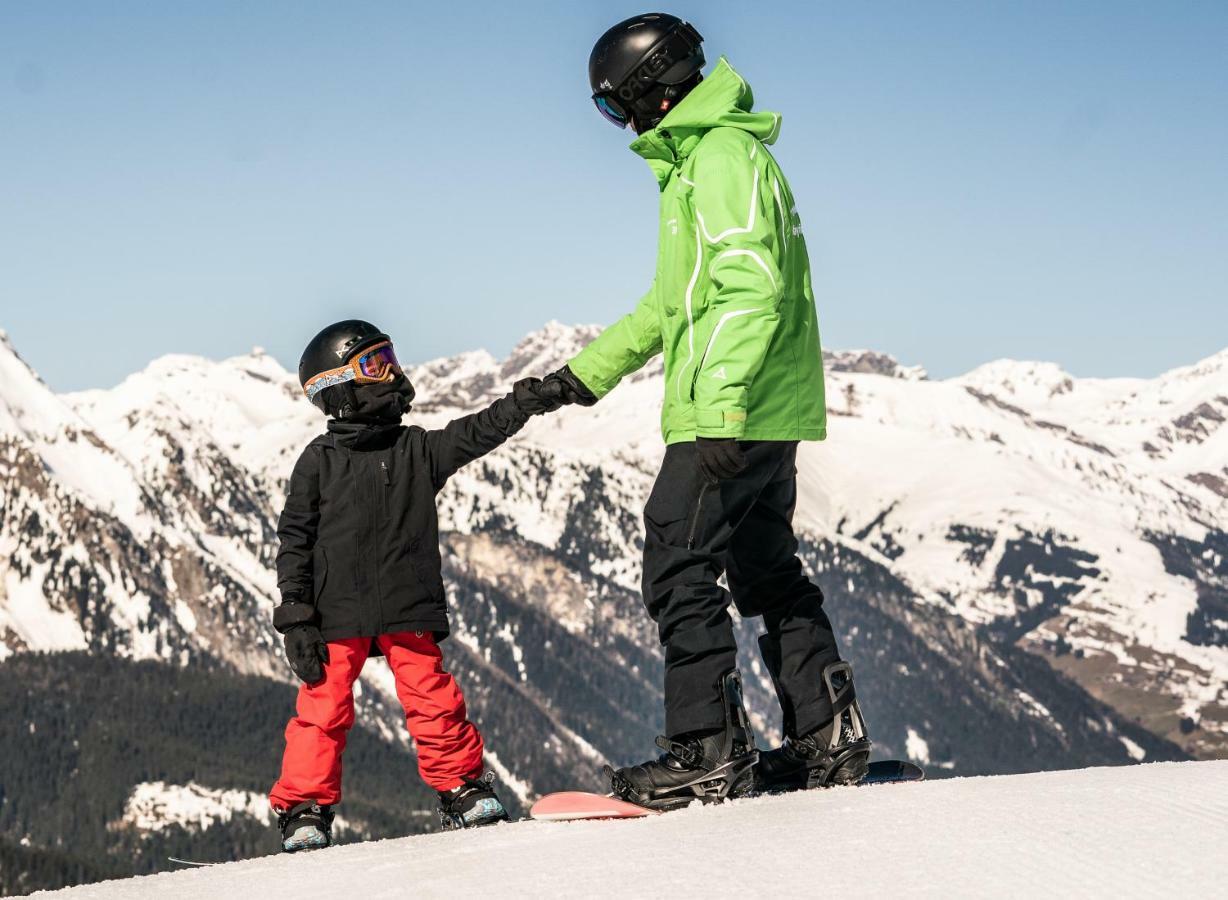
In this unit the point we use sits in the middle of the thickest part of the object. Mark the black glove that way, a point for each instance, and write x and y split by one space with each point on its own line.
535 397
568 387
307 653
719 458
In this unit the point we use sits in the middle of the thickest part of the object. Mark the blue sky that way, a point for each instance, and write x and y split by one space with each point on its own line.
977 179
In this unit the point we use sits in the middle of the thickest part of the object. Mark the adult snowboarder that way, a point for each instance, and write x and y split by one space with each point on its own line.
359 574
732 311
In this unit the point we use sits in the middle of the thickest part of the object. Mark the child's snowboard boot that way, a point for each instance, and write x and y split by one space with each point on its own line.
706 766
471 804
835 753
307 826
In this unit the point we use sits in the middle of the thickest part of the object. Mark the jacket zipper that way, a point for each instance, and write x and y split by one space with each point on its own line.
375 537
383 466
699 505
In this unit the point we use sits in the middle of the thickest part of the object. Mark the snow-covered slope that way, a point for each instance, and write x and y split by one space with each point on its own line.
1140 831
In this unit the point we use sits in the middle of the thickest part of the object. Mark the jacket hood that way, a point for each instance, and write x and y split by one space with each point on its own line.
723 99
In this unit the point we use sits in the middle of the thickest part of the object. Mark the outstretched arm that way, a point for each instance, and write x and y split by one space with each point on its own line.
465 439
621 349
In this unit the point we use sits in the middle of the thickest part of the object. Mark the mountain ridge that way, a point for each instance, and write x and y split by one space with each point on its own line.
1020 582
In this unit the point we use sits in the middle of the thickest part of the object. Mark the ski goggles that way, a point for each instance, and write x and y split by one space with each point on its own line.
375 364
612 110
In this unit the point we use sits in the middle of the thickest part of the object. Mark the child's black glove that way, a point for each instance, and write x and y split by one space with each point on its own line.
307 653
535 397
568 387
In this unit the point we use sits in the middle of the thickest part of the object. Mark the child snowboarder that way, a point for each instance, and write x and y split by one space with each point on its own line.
359 575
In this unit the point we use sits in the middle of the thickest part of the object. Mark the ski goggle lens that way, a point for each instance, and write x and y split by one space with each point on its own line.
611 110
376 362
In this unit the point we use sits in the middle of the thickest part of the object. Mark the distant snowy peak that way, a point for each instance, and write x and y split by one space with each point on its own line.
471 378
870 362
1025 383
27 405
476 377
1213 367
547 349
245 404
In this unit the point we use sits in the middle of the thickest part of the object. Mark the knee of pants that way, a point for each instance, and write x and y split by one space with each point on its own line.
774 589
694 614
328 710
780 609
691 643
329 705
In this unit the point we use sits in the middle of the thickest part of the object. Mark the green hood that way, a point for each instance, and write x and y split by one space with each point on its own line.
722 99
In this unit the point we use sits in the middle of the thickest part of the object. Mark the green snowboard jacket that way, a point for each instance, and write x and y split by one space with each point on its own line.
731 305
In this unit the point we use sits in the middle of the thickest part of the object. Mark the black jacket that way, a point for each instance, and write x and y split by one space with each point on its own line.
359 533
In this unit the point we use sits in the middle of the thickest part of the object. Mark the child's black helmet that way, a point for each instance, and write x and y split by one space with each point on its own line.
332 349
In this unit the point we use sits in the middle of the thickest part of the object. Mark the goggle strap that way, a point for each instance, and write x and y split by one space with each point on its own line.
328 379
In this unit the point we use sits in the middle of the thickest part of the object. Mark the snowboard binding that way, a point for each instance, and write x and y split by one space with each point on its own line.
835 754
306 826
708 768
471 804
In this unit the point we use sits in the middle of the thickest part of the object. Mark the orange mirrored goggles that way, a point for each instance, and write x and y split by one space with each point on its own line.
375 364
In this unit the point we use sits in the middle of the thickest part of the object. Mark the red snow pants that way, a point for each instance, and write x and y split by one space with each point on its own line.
449 746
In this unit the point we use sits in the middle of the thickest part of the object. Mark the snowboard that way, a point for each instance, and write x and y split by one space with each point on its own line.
892 771
573 806
570 806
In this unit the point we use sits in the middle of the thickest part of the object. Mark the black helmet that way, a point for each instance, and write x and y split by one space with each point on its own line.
331 349
642 67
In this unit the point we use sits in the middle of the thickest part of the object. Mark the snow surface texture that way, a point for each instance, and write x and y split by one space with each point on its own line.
1143 831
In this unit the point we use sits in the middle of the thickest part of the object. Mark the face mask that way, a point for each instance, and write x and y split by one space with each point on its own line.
382 403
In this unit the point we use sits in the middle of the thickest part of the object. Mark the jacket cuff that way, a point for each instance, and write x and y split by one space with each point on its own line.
516 415
291 614
719 423
588 378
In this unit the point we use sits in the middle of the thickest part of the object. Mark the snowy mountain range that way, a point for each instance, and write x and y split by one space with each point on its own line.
1027 569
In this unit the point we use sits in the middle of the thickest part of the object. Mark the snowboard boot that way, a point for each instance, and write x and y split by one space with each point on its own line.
704 766
471 804
307 826
835 753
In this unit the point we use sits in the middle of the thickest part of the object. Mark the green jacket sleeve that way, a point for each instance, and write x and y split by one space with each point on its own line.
739 226
621 349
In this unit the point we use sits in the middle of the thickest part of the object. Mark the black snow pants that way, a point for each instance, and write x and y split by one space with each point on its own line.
744 528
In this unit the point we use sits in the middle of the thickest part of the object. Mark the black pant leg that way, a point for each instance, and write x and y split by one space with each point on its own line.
688 524
767 579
